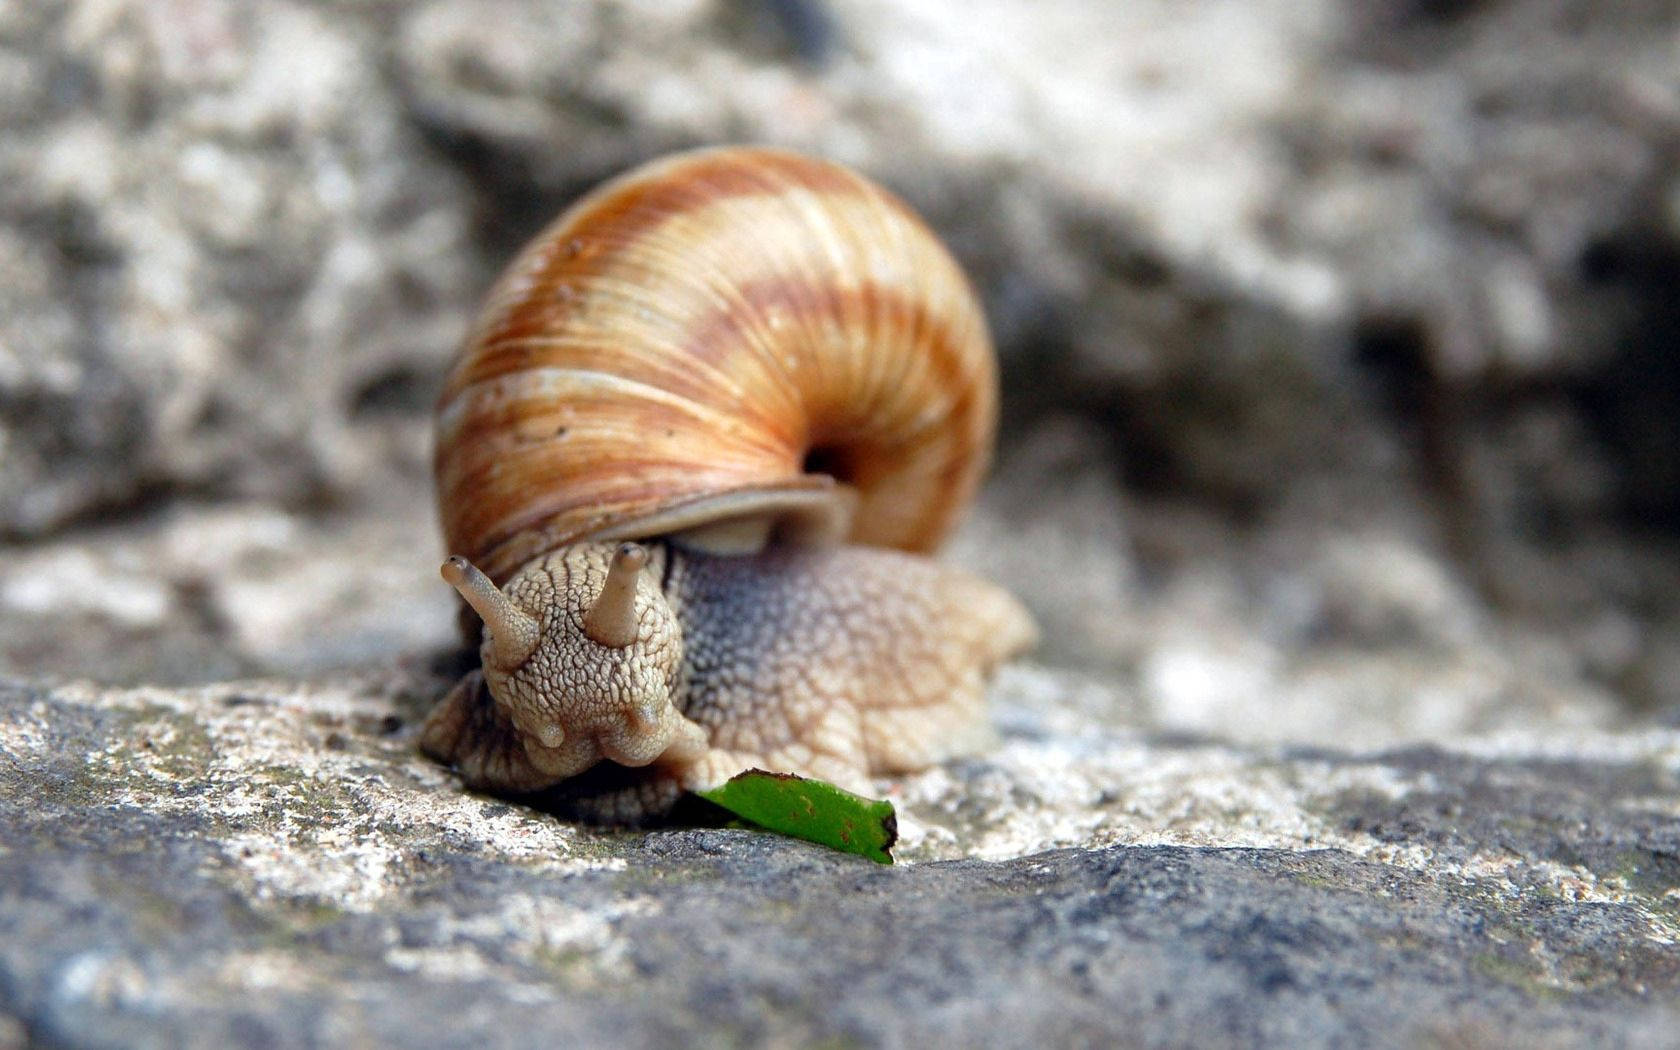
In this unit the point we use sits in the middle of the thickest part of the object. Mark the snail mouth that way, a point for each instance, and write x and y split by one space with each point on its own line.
641 750
567 760
638 737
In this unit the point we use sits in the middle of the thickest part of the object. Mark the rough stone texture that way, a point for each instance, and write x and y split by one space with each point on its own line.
203 213
1306 276
1338 464
263 863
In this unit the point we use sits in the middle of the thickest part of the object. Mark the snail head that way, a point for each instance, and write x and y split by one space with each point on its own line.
581 652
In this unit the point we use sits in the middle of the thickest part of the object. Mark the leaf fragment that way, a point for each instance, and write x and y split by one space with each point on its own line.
812 810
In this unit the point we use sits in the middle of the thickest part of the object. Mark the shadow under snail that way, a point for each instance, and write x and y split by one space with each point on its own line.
690 463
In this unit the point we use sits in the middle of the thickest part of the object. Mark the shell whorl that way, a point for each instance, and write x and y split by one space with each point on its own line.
711 334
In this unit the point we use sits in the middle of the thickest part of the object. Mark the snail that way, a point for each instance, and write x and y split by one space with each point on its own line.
690 463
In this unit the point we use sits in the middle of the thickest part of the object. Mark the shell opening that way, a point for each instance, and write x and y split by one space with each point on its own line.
830 460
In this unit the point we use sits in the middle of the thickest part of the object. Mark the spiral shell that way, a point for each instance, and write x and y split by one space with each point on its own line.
719 335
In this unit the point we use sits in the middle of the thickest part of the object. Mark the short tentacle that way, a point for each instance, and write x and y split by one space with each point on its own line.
611 621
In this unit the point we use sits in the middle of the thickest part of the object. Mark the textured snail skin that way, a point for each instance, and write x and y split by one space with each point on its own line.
838 663
740 358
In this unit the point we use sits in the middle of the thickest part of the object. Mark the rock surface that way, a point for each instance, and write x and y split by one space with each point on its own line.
1271 283
270 864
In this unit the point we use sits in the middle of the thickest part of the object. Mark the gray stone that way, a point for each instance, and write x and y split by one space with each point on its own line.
224 258
202 591
1280 266
270 864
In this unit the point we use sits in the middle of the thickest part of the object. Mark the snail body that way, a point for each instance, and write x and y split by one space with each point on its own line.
764 371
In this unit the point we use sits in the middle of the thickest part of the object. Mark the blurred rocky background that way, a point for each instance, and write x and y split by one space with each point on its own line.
1341 343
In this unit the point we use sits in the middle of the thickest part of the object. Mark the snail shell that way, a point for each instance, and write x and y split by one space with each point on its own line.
722 349
727 337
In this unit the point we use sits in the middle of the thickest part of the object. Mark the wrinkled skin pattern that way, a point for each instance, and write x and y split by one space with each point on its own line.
572 702
837 663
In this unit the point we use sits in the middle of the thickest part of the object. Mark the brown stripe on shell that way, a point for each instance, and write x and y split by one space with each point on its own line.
546 283
698 328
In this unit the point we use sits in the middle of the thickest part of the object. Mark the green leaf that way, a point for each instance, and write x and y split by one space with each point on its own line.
813 810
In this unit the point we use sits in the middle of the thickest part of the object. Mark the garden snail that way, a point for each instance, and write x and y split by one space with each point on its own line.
677 403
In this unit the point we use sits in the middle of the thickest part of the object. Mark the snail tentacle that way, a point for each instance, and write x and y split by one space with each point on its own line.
514 633
611 621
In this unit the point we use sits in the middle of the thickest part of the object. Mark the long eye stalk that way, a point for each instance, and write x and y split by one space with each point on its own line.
611 621
514 634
